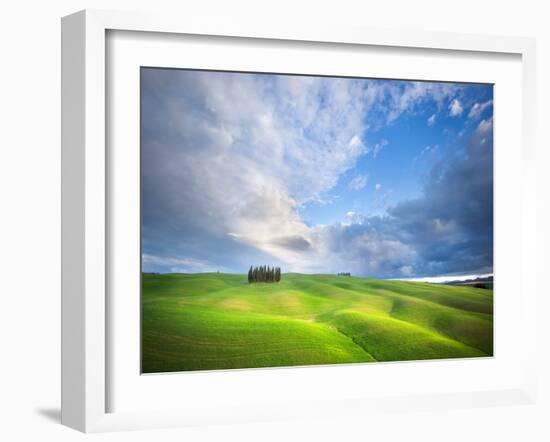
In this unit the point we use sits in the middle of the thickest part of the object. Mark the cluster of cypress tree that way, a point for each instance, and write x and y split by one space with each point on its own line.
264 274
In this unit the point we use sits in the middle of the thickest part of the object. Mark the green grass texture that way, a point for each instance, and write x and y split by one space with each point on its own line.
211 321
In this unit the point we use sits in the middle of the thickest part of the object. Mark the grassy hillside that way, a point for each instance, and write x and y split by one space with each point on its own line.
218 321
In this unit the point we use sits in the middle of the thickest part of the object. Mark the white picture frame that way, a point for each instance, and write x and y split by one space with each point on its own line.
86 209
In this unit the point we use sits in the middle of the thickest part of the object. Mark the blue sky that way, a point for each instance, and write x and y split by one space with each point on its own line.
381 178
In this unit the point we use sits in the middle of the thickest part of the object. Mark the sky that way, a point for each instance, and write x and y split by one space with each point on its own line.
379 178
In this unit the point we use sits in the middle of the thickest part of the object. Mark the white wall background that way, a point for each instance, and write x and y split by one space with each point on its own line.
30 216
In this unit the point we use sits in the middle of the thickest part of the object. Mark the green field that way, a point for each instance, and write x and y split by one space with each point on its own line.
211 321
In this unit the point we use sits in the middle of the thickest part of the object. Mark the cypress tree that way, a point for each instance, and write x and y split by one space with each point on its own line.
264 273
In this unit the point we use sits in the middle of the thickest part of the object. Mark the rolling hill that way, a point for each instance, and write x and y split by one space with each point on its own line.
209 321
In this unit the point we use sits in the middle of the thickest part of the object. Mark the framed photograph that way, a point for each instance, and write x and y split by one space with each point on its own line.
372 199
266 222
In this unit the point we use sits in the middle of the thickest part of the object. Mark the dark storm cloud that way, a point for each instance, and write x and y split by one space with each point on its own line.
451 225
448 230
297 243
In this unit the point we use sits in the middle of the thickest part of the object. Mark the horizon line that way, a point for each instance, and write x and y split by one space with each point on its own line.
434 279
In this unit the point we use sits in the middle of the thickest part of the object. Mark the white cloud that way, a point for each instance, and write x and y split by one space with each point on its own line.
431 120
250 150
455 108
356 143
447 278
477 109
358 247
378 187
483 131
407 98
351 218
378 147
484 127
359 182
428 150
178 265
441 227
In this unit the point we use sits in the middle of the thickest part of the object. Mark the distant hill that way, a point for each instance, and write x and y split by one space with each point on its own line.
480 283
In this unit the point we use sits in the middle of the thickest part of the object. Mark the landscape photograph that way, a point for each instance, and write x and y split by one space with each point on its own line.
300 220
